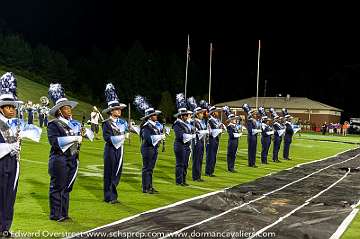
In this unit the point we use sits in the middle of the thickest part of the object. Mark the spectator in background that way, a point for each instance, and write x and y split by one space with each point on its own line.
324 128
331 128
94 118
345 127
338 128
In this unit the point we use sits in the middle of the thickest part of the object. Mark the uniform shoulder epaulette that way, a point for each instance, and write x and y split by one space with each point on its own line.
54 121
106 120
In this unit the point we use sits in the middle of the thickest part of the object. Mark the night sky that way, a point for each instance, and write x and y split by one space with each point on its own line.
306 57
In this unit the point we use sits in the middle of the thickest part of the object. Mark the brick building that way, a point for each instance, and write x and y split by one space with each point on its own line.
301 108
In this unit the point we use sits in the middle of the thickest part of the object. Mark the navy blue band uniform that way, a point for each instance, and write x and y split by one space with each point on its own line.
278 132
253 130
233 142
182 150
10 146
198 146
63 166
289 132
152 133
278 128
9 174
115 130
149 152
200 131
30 112
63 160
252 141
212 147
266 133
183 138
113 156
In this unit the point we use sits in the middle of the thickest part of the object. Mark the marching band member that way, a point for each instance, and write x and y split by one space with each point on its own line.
43 111
30 109
151 133
12 130
278 132
200 127
115 129
183 139
266 133
65 137
253 130
234 135
289 132
216 128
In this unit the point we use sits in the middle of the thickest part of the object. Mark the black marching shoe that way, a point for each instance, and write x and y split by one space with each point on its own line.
61 219
114 201
182 184
153 190
199 180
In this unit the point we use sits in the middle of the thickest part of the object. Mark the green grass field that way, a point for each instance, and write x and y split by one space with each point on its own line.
87 208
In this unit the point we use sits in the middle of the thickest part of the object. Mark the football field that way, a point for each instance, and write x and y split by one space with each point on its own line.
87 208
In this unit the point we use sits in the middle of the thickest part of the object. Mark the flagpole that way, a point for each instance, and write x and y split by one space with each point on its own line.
187 63
257 81
210 73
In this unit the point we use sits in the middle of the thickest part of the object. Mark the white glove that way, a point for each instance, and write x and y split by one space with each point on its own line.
127 135
79 139
163 136
15 148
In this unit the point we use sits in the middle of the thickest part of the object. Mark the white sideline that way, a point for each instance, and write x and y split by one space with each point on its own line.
298 208
254 200
150 211
345 224
185 201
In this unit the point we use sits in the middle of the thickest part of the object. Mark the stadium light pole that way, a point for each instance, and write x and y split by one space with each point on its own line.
257 80
211 50
187 63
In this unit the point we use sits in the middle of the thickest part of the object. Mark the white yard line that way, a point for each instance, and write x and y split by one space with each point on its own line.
298 208
189 200
255 200
347 221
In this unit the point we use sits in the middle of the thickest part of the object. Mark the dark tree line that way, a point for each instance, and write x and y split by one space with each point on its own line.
154 74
